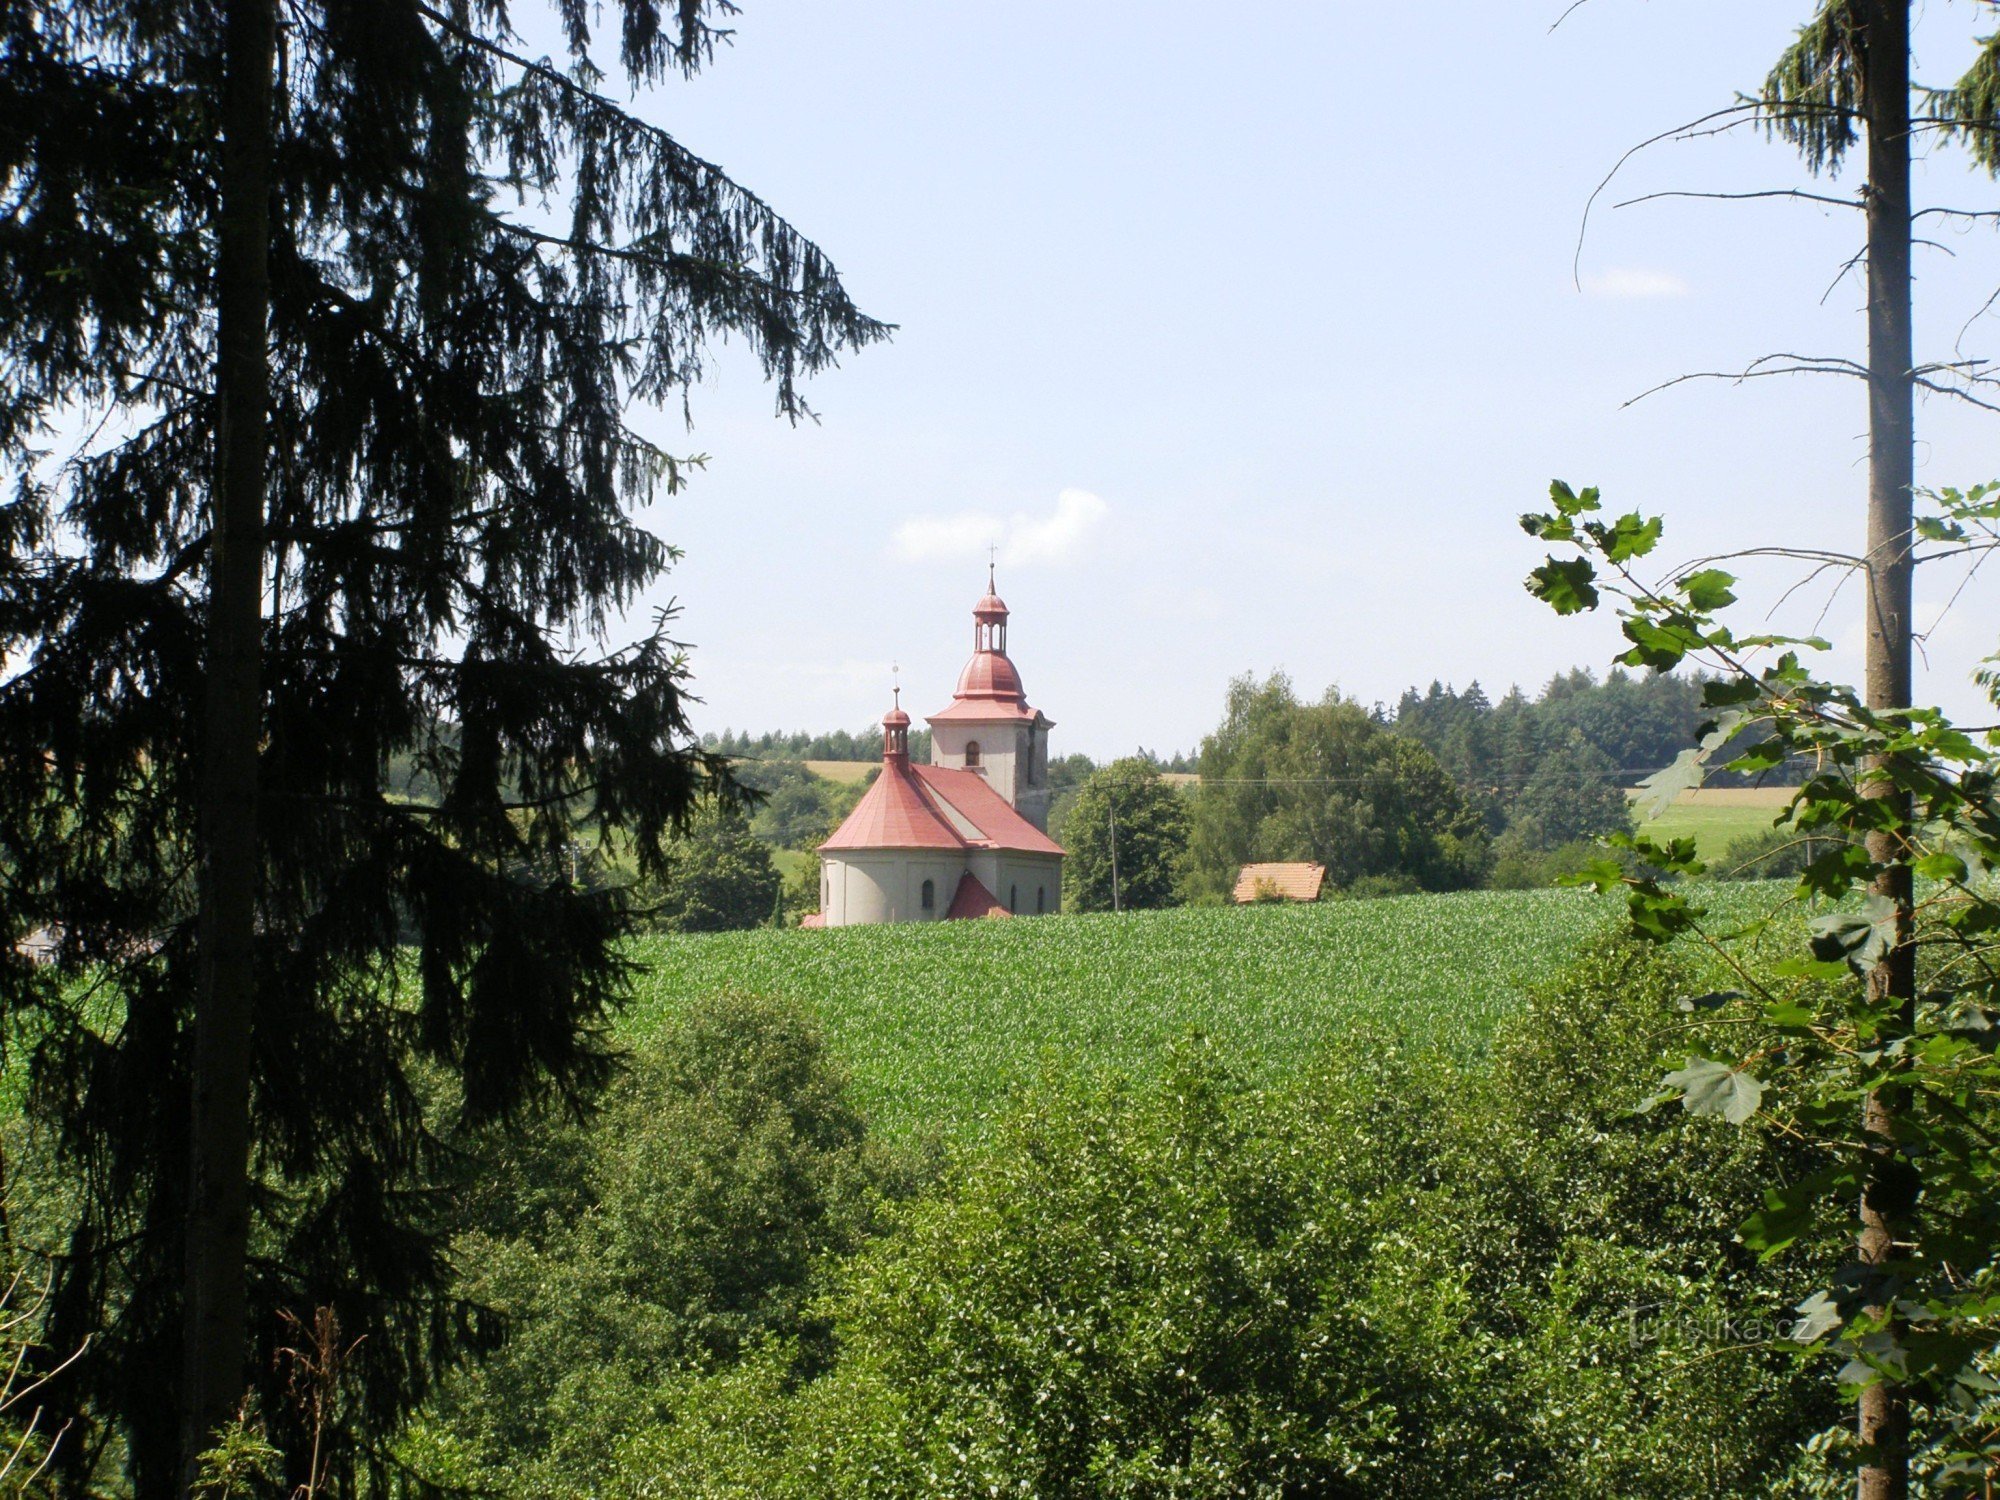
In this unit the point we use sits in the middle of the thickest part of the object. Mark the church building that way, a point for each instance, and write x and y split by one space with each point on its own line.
967 835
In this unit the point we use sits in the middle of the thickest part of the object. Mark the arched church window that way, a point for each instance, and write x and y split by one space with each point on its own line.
930 895
1013 898
972 752
1040 895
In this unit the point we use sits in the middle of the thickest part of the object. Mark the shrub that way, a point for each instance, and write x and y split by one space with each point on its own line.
1773 854
1126 1293
722 879
1400 1276
683 1223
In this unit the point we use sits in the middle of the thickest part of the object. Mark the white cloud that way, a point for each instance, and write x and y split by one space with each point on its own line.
1631 284
1024 540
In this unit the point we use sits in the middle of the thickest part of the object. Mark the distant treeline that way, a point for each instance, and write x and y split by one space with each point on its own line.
1621 728
798 745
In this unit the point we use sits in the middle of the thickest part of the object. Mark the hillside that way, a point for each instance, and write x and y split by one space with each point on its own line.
941 1023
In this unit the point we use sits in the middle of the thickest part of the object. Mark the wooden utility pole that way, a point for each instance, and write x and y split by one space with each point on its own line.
1117 905
229 858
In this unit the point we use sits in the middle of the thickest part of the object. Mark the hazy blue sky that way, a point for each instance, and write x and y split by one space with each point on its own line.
1248 334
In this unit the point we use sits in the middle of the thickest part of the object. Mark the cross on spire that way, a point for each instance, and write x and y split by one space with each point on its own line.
992 557
896 675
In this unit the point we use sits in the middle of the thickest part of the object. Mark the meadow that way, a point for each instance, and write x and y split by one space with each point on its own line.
942 1024
1716 817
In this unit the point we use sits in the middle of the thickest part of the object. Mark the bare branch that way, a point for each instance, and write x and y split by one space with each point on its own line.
1966 396
1569 10
1800 364
1985 554
1841 275
1985 307
1764 193
1737 114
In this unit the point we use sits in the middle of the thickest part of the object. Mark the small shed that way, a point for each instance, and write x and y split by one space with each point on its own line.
1278 882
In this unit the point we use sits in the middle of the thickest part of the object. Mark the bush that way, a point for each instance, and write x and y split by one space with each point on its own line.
1125 1294
1519 865
1774 854
1401 1276
1374 887
722 879
1151 819
684 1223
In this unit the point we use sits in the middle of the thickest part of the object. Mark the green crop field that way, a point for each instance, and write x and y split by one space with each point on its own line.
941 1024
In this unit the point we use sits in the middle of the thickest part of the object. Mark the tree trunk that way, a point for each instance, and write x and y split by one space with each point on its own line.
1884 1413
227 845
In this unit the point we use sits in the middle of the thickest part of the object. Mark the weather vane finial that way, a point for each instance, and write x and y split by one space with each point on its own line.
896 676
992 556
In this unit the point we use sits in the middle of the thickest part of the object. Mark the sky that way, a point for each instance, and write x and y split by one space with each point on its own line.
1246 334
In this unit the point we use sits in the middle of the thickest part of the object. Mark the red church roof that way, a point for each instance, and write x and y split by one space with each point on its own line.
972 899
998 825
895 813
934 807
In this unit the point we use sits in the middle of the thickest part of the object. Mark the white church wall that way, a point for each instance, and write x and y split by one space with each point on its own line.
1017 878
862 888
1013 757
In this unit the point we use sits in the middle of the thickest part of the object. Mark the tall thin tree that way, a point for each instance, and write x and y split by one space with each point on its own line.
1846 83
1852 62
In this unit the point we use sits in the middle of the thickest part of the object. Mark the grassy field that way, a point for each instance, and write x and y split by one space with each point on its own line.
1716 817
942 1024
846 772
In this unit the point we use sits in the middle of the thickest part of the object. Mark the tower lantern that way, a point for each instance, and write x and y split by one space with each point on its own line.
989 619
896 732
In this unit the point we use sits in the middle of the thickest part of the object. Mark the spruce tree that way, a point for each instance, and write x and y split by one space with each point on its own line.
321 329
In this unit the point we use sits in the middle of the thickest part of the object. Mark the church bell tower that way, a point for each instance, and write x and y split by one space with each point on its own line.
988 727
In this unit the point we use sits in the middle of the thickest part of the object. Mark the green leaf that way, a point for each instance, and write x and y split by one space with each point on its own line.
1713 1000
1567 587
1713 1088
1819 1316
1765 756
1723 692
1568 502
1708 590
1631 536
1860 937
1600 875
1659 916
1660 644
1659 791
1947 867
1789 1209
1931 529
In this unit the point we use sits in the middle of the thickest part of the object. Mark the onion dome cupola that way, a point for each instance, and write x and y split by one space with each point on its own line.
990 676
